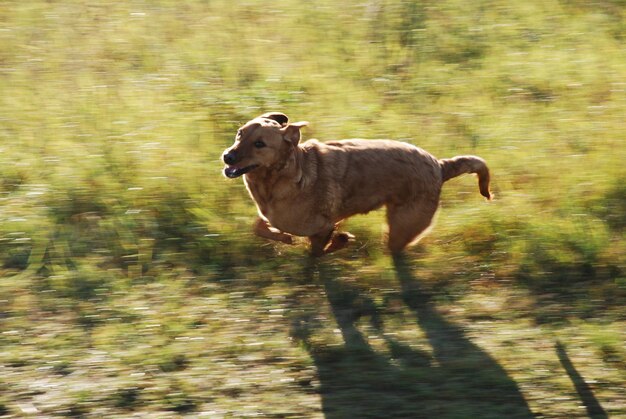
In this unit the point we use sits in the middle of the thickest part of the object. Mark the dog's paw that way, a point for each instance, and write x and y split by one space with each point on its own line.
287 239
339 241
344 237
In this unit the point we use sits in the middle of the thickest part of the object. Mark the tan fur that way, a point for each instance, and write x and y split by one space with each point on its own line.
307 189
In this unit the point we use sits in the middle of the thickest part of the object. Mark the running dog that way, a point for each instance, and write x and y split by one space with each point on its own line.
308 189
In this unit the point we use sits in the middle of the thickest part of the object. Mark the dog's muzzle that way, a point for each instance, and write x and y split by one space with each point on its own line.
230 157
234 171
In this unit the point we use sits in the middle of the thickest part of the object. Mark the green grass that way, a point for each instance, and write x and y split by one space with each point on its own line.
130 282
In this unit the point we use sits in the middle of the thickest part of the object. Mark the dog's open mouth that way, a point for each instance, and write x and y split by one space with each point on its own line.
234 171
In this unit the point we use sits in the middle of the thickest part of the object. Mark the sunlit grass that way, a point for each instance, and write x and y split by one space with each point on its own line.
131 282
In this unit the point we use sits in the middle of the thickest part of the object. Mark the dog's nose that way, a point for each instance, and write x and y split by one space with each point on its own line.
230 157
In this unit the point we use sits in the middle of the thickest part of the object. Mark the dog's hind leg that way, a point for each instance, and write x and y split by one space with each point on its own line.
408 221
263 229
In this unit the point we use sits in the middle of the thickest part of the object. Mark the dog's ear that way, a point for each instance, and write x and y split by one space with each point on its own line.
281 118
291 132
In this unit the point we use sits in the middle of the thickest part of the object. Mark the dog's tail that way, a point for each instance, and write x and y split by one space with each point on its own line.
467 164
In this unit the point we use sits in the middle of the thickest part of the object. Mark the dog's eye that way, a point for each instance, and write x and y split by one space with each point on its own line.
259 144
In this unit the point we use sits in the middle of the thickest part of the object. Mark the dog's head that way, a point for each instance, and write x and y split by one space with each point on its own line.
265 141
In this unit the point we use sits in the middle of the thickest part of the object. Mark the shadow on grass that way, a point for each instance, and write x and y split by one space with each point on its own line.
457 379
594 410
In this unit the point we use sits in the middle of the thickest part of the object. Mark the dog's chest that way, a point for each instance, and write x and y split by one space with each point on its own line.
286 210
286 219
290 217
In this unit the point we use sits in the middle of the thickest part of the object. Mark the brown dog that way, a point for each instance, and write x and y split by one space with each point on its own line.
307 189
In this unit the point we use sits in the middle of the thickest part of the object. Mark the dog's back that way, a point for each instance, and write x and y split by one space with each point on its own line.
362 175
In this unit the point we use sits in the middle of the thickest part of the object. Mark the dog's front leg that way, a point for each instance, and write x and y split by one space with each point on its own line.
319 242
328 242
263 229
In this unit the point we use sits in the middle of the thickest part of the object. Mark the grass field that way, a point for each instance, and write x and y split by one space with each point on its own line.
131 284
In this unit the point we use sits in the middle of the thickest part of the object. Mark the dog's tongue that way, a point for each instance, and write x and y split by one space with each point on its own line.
231 171
234 171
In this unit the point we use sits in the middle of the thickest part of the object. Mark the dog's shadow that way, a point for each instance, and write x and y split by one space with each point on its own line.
455 379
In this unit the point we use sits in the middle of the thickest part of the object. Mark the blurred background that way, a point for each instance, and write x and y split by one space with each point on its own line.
130 281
